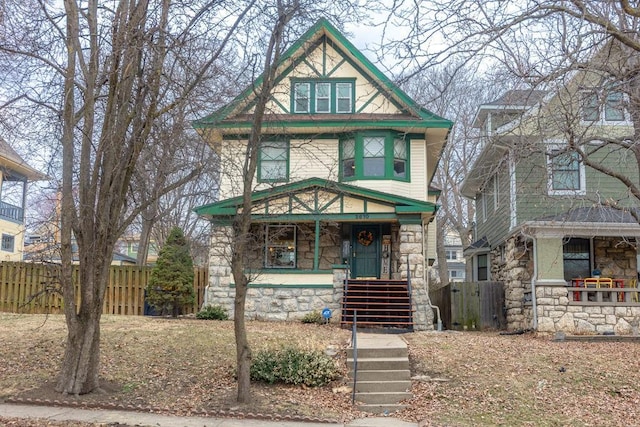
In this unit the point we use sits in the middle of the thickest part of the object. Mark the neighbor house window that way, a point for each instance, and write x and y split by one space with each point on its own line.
603 106
273 161
451 255
566 173
483 267
576 258
379 155
323 97
8 243
280 246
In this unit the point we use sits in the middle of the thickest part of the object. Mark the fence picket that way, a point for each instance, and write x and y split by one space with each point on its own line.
124 295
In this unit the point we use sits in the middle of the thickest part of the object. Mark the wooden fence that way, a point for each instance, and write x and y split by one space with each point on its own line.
35 288
471 306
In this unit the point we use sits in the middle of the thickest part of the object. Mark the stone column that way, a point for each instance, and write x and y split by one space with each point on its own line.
412 260
218 291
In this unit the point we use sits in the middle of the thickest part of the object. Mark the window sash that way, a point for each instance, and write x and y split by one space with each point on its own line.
8 243
344 98
613 108
274 156
302 98
323 97
565 171
280 246
373 156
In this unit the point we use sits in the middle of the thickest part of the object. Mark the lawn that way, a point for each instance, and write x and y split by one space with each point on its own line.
461 379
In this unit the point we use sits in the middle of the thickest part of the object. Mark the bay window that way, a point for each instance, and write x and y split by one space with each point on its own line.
374 155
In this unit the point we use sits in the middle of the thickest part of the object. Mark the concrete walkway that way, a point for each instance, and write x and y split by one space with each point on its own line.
141 419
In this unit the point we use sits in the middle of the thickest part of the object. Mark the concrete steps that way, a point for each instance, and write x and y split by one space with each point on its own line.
383 375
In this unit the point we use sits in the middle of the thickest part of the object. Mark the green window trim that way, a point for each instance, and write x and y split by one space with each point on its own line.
375 156
273 153
323 96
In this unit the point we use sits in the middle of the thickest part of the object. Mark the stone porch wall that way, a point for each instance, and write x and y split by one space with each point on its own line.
293 302
555 314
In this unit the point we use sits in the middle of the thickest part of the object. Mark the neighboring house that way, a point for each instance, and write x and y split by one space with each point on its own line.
128 245
343 189
14 173
454 257
538 223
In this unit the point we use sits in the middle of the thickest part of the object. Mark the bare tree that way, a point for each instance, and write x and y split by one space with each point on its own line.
109 74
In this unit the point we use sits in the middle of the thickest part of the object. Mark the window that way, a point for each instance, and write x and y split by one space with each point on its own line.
600 106
373 159
576 258
379 155
451 255
8 243
399 158
456 274
495 193
566 173
343 97
323 97
280 246
273 161
301 97
483 270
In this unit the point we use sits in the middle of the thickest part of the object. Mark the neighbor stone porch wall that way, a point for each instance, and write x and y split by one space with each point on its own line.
513 265
557 314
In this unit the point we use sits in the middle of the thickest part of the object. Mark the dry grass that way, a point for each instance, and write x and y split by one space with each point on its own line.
469 379
523 381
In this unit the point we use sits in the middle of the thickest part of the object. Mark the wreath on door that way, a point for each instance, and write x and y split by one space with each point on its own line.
365 237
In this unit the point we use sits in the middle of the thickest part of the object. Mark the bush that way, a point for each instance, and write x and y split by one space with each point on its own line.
213 312
313 317
294 366
170 286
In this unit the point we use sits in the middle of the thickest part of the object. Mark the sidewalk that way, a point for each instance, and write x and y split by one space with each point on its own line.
53 413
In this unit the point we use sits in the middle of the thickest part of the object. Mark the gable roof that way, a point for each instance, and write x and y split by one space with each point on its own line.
234 116
403 205
13 162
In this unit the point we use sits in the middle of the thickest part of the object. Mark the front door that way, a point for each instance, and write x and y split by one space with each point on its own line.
365 255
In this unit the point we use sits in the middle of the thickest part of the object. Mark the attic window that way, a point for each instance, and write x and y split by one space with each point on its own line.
323 96
603 106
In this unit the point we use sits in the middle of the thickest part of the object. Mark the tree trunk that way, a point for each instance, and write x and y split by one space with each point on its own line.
243 351
81 362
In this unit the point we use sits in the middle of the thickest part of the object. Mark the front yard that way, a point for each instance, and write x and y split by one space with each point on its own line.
462 379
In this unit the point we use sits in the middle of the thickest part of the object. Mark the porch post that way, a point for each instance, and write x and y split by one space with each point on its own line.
316 252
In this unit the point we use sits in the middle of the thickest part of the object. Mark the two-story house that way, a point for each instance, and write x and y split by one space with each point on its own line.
342 202
552 207
14 175
454 258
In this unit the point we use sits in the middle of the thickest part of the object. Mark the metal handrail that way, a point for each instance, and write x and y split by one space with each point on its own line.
409 291
354 341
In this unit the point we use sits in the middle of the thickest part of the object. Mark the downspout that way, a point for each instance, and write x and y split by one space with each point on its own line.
425 268
534 300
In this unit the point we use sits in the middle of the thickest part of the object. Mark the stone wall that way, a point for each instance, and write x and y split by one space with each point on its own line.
282 302
411 259
615 258
513 266
555 314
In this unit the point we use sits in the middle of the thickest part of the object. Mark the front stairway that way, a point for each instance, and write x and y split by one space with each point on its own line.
383 378
377 303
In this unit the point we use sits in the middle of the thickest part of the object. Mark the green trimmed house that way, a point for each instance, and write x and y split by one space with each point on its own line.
342 210
552 207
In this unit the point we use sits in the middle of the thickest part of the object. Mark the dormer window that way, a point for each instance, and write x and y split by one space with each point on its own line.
323 96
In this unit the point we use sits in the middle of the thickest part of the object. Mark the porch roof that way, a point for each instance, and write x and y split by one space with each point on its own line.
331 207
